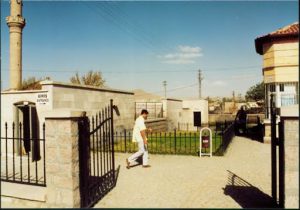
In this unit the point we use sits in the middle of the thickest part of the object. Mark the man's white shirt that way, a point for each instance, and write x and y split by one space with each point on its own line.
139 125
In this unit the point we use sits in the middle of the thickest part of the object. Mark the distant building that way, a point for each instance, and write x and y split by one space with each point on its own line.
280 51
190 108
232 107
177 113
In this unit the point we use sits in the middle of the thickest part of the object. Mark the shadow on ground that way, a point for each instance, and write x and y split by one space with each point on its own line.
117 174
245 194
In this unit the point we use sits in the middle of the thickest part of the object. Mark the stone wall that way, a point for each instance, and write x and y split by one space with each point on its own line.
157 125
68 96
13 202
92 100
251 118
22 196
213 118
291 141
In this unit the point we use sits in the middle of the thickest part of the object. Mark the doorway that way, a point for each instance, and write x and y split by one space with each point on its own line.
29 132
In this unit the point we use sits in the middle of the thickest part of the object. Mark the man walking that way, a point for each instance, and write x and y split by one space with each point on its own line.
139 136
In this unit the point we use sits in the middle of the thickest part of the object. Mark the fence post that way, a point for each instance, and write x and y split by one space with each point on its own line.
273 150
175 139
125 141
62 161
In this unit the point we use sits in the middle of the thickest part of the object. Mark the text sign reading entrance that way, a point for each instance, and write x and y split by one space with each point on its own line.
42 98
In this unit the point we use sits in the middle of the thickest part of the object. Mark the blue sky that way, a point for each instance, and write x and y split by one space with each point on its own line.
138 45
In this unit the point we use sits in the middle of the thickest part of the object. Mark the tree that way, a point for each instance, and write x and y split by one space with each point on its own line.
256 92
91 78
31 83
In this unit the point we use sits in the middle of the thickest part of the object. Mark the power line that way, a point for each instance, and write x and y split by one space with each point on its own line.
108 14
170 90
208 69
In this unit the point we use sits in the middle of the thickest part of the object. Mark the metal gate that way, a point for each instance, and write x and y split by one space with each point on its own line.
277 157
96 156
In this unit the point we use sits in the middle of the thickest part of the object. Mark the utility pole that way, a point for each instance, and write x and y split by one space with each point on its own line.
200 77
234 102
165 88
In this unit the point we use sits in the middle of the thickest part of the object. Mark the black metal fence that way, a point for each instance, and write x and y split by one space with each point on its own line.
178 142
227 134
96 156
23 159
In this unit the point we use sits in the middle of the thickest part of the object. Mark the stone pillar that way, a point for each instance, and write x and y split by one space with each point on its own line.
62 159
291 138
16 24
290 119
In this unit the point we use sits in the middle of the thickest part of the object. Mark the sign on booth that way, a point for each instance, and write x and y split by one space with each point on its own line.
205 142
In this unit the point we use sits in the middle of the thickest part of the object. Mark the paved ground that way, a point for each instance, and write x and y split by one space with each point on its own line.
240 179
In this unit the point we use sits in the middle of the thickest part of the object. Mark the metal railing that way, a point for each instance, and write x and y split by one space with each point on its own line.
227 134
177 142
155 109
23 160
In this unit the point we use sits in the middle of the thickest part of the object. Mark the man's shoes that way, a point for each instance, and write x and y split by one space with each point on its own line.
146 166
127 164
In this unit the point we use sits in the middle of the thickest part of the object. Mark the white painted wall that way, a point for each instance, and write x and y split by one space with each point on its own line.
172 109
9 110
191 106
62 96
178 111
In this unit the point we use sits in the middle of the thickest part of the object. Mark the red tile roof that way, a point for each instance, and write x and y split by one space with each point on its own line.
290 29
285 33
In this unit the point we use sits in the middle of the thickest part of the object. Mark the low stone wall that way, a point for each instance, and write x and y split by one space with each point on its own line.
12 202
157 124
22 196
213 118
251 118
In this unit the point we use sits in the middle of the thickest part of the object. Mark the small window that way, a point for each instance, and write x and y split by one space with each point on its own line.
272 88
281 87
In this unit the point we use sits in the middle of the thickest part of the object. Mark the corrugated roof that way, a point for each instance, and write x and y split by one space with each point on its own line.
285 33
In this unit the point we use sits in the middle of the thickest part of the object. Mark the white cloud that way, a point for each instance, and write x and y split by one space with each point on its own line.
182 55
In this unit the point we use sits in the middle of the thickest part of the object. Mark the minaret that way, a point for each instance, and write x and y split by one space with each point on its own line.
16 24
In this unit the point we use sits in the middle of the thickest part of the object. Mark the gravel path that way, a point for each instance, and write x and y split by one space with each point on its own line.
240 179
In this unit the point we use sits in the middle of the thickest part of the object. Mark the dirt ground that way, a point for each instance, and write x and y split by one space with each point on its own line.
240 179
